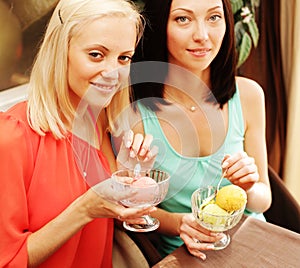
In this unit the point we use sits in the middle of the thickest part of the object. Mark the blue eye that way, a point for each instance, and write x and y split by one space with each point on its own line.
182 19
214 17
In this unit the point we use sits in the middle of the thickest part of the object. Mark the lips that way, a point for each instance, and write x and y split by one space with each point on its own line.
199 51
104 87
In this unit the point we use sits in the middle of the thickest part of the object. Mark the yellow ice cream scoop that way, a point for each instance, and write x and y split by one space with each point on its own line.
211 214
231 197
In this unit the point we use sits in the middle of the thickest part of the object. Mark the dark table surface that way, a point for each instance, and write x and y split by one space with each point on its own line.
253 244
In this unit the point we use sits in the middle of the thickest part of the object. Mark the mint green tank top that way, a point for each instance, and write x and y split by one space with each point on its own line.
190 173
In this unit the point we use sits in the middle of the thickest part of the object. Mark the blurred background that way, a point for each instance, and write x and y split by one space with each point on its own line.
274 62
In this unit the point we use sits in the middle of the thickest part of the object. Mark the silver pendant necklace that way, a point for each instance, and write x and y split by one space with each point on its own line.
191 108
79 160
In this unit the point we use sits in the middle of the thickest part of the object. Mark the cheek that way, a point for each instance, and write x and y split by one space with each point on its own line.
219 36
175 41
124 73
78 73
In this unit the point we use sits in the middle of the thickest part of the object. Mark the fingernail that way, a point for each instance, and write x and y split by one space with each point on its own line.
203 257
132 154
128 144
146 159
142 152
225 164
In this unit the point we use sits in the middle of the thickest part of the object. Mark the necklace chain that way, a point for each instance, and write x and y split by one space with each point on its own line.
191 108
82 167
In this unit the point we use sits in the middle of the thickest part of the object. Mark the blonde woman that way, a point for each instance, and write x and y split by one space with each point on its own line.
57 207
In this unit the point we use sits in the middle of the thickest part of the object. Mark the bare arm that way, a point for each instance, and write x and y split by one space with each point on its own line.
253 105
91 205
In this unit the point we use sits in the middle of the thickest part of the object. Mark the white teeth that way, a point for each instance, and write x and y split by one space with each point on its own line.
200 51
103 87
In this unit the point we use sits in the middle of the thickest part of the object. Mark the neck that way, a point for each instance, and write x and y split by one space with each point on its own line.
185 86
180 97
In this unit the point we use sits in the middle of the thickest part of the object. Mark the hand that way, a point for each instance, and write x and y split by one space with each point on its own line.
240 170
197 238
134 148
102 201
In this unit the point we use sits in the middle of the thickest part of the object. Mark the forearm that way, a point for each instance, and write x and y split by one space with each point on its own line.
259 197
169 222
47 240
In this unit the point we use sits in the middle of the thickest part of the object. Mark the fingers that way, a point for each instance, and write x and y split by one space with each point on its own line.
139 145
196 247
196 238
133 215
128 138
106 190
240 168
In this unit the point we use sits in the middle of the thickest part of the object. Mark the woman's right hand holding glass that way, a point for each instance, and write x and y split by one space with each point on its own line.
197 238
102 201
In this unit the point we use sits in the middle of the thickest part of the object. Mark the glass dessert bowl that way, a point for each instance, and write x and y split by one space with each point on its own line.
210 213
150 187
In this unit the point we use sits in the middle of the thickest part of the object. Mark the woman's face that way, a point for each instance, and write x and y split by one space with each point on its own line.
99 59
195 32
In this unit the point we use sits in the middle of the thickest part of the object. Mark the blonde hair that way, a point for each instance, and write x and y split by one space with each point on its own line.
49 105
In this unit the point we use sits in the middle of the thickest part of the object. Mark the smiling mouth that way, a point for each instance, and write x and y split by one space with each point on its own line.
199 52
104 87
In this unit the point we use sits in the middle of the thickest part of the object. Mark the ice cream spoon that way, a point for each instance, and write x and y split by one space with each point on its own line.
212 196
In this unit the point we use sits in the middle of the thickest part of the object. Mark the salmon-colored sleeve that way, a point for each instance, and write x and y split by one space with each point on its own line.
16 166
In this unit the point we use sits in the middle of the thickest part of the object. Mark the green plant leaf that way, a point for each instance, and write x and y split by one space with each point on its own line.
244 49
245 28
236 5
239 31
253 29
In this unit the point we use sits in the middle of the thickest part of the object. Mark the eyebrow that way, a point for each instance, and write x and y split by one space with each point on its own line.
106 49
191 11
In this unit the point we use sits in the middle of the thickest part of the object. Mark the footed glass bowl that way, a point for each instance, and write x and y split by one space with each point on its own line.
212 217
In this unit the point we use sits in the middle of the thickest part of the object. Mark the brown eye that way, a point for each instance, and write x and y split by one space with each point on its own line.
125 59
95 54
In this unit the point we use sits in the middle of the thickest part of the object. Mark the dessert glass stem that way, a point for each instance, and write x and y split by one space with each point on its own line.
150 225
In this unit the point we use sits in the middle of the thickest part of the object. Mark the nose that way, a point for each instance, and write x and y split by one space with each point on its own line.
200 32
111 74
111 71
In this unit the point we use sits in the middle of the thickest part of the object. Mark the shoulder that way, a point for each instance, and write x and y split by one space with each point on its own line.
252 101
14 127
250 91
18 111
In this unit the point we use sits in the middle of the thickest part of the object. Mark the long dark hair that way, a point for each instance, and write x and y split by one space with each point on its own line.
153 47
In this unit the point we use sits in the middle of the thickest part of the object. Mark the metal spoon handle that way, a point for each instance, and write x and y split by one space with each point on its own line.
223 176
137 169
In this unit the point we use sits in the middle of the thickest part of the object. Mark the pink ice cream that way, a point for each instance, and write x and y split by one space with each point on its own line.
147 190
143 182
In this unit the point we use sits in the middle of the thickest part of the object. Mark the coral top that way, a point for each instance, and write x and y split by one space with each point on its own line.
39 178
